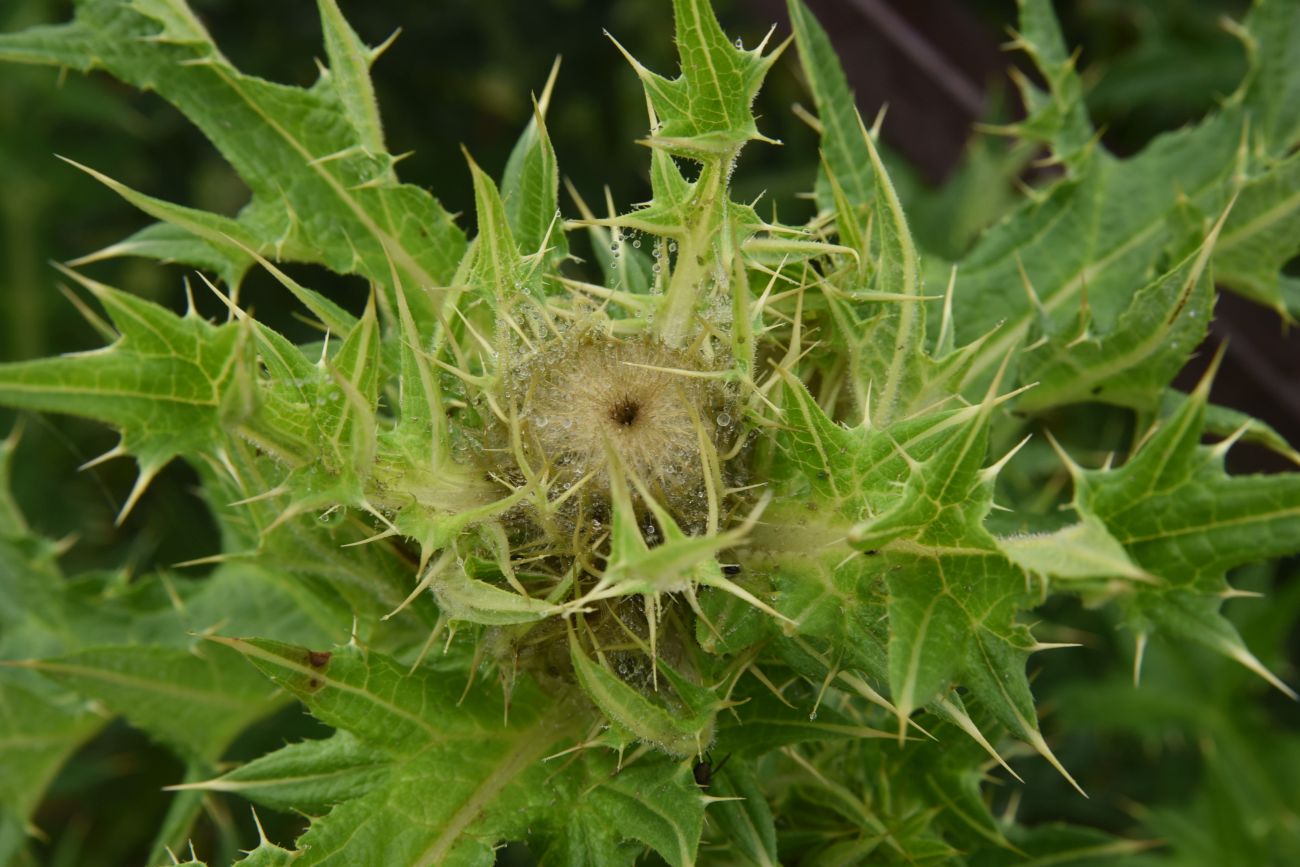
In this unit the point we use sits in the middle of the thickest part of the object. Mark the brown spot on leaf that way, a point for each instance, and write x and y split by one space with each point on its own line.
317 659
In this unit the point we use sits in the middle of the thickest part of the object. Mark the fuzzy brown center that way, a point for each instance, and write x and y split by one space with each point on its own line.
624 411
591 396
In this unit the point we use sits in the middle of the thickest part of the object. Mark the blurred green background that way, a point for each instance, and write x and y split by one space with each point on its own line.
1202 755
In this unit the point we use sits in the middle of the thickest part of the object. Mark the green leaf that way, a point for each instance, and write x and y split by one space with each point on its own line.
893 342
1075 252
1082 550
463 598
662 810
671 727
349 72
705 112
267 854
37 735
1261 235
1132 363
530 186
321 192
1100 231
369 696
1224 422
443 802
765 723
498 265
1183 519
1058 115
195 705
844 149
747 822
310 776
1272 87
170 384
12 523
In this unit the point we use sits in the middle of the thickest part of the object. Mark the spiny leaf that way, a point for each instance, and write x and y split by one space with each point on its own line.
530 186
705 113
1133 362
673 729
370 695
350 62
170 384
311 776
893 343
195 705
497 261
1261 235
1082 550
1181 518
747 822
1272 86
843 148
37 735
1057 116
1096 234
321 191
659 809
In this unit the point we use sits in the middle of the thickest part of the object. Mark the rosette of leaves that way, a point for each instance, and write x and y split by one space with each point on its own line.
538 535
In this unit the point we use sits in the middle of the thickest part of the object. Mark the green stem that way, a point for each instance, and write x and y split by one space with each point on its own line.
698 254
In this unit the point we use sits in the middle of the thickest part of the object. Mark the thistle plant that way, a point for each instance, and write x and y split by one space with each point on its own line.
669 529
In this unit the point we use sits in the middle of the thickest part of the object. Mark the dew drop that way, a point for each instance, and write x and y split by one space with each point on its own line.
724 420
637 243
739 44
813 716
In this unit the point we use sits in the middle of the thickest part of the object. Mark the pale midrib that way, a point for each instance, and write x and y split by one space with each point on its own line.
272 782
1256 518
908 692
26 742
386 241
698 27
531 746
1002 344
650 806
906 337
168 689
253 650
1260 222
86 391
1086 377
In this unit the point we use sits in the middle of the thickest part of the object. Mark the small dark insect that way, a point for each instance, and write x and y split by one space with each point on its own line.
704 770
731 569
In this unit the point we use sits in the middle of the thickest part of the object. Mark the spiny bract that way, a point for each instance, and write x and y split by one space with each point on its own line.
722 483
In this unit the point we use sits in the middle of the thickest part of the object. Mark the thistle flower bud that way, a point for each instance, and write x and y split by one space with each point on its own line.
656 407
